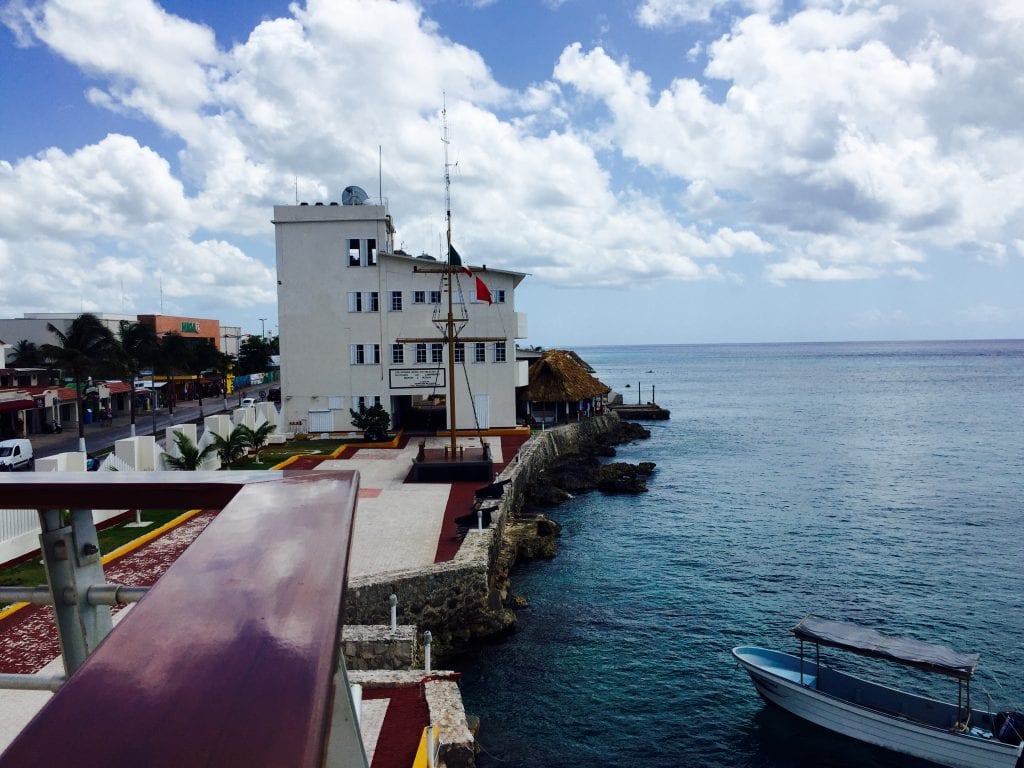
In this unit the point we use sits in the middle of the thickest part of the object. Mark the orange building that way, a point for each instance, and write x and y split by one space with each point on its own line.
187 327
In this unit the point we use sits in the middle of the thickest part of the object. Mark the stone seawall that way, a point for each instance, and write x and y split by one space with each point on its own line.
466 598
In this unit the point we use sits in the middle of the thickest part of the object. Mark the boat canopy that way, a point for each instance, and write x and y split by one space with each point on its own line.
869 642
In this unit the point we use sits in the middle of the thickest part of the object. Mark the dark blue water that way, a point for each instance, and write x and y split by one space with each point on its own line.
880 483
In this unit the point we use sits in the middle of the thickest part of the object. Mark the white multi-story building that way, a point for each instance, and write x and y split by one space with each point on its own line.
357 325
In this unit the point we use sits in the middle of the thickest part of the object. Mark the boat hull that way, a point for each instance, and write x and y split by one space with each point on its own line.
776 677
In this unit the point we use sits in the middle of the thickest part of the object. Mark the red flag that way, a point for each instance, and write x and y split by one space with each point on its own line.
482 292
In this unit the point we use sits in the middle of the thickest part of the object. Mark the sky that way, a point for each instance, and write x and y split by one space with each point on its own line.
664 171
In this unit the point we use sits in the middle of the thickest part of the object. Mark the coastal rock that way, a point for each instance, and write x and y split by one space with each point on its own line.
576 473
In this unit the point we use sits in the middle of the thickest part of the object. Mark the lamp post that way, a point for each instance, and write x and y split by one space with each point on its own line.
263 328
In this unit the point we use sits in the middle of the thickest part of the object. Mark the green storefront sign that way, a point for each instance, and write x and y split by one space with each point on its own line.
189 326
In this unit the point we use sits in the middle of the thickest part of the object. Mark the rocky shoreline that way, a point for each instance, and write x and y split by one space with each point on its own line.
530 534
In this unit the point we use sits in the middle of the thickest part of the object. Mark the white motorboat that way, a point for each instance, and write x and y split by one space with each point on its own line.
944 733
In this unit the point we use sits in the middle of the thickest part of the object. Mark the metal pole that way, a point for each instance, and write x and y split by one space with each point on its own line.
25 682
479 519
430 746
426 652
393 600
639 396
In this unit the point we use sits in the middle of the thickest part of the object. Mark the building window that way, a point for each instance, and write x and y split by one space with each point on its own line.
419 297
396 301
499 351
336 403
480 352
373 301
460 352
397 354
437 353
435 297
365 354
362 402
371 252
421 353
353 253
355 301
499 296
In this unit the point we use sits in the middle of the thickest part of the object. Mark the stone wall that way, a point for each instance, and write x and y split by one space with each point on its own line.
375 646
460 600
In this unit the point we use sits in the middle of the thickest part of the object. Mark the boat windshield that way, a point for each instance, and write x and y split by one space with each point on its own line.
869 642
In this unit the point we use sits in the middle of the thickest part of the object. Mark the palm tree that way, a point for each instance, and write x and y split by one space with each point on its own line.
139 347
26 355
174 358
257 438
191 457
233 447
88 347
204 357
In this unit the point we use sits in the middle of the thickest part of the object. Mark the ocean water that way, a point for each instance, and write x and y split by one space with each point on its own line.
881 483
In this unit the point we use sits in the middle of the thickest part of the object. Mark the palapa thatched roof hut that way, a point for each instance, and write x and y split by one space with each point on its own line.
559 377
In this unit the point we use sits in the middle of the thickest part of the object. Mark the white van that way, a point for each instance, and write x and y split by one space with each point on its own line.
16 454
248 402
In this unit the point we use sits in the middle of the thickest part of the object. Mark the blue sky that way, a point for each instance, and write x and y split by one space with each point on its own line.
666 171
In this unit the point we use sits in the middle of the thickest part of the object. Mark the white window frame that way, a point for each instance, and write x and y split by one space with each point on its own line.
354 258
435 297
421 353
437 354
397 354
372 301
419 297
396 301
355 301
499 296
460 351
500 352
480 352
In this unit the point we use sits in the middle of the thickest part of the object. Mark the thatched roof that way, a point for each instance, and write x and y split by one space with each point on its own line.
561 377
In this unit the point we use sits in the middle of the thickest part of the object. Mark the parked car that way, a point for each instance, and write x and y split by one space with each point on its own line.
248 402
16 454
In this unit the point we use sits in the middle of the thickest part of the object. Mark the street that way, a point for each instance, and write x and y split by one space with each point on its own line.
102 435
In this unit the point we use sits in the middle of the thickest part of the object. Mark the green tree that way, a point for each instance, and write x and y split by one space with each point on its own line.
174 358
374 422
139 349
254 355
233 447
256 439
26 355
88 347
191 457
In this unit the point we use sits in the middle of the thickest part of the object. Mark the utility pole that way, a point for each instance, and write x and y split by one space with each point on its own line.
263 328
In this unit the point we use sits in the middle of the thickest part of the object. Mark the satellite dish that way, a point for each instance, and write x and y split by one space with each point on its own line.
354 196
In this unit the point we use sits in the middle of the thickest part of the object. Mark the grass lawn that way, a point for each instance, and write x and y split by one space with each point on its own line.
275 454
32 574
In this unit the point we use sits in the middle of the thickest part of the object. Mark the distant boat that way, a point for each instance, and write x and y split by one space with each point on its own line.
948 734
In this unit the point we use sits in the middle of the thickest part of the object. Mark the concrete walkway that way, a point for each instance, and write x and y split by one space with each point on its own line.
398 524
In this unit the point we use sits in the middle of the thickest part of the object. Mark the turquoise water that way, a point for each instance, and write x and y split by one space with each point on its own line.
880 483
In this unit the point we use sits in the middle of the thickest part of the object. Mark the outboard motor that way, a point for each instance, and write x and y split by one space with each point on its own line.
1009 727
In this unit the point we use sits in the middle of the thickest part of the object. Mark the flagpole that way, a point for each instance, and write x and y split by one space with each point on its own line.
450 325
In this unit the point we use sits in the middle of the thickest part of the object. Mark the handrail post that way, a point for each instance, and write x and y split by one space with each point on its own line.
393 600
71 555
426 651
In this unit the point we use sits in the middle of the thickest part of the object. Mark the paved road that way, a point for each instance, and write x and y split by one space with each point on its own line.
99 435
